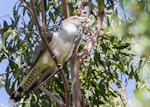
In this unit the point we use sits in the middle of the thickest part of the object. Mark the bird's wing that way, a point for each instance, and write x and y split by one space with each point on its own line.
40 49
47 75
34 72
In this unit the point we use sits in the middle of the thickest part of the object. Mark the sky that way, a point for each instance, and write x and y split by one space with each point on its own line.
6 9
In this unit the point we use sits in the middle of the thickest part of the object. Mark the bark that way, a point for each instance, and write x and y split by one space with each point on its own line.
78 58
65 9
74 65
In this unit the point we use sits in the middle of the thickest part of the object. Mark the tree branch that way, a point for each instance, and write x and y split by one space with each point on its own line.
56 99
89 8
79 37
27 7
78 58
7 56
43 17
2 74
42 31
74 66
65 8
81 4
91 40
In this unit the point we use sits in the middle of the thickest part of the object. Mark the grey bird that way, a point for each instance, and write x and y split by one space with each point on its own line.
43 65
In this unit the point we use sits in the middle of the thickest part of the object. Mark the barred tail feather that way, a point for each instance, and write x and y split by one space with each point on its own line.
17 95
25 85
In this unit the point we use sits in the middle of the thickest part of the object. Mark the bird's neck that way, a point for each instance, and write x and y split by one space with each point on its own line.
67 31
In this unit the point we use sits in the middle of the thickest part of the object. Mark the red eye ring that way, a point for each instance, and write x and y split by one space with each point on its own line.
74 18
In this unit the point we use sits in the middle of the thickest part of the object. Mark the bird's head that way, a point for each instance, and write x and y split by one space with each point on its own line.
69 26
76 20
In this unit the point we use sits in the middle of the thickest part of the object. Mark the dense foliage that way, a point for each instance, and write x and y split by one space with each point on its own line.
123 51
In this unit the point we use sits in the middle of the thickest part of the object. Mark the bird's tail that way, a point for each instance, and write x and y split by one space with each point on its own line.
25 85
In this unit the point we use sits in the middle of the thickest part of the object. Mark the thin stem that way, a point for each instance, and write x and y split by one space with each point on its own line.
7 72
56 99
79 38
27 7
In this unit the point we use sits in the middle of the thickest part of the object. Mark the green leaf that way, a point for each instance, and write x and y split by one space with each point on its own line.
121 45
6 26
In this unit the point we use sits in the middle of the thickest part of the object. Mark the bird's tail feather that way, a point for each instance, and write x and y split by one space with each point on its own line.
25 85
41 81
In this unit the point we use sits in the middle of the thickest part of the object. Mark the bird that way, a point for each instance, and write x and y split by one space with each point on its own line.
43 66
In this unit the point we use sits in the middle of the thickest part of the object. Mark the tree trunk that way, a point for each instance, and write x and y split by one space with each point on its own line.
77 98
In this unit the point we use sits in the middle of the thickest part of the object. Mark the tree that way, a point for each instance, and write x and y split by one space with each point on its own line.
105 53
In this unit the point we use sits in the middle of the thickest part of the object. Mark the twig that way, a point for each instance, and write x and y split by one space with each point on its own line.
8 15
80 7
141 59
122 96
27 7
59 101
7 72
6 55
79 38
65 8
35 16
81 4
89 8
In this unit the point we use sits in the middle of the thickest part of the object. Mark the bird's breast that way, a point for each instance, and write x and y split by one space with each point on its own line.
61 50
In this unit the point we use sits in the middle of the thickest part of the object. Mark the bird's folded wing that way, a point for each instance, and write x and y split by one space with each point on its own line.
40 49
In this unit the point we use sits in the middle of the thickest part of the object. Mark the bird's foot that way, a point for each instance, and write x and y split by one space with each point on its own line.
59 66
54 56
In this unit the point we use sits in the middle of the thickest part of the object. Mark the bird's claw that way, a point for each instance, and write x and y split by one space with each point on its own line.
59 66
54 56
